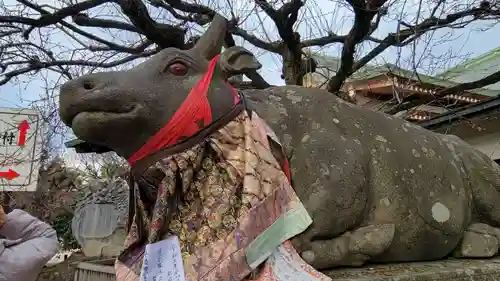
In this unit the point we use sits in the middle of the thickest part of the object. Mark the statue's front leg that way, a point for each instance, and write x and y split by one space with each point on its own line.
350 249
479 241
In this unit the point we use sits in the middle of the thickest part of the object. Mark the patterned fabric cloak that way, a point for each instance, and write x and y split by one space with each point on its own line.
216 185
227 199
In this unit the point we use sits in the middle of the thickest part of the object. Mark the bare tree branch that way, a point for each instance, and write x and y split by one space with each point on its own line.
22 56
163 34
432 22
488 80
34 66
84 20
413 101
44 12
364 11
49 19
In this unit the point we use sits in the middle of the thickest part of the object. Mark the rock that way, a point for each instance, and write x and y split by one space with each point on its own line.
485 229
477 245
445 270
351 167
100 219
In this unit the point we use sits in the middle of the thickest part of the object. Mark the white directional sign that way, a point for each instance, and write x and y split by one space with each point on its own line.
20 149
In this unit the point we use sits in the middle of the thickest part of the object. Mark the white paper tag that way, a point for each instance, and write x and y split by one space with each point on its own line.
163 261
285 264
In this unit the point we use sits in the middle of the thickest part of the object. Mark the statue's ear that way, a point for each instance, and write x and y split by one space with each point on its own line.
237 60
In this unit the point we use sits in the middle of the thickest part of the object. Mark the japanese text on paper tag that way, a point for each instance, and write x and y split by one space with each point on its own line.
163 261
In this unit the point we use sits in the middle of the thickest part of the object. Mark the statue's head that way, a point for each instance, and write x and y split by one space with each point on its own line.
121 110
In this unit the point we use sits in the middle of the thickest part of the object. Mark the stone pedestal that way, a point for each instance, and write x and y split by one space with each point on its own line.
445 270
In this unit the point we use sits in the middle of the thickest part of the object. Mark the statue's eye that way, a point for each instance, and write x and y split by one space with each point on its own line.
178 68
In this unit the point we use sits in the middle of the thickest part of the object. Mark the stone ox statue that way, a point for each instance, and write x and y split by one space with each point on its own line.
377 188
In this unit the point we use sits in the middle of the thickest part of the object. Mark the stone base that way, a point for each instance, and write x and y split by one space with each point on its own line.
444 270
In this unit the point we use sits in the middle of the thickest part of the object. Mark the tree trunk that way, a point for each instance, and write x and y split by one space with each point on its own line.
292 68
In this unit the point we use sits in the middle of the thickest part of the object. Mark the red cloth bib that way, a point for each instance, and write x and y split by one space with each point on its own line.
194 114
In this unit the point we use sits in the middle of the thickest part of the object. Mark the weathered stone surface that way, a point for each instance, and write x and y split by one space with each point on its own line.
358 173
99 223
479 241
485 229
63 271
105 247
445 270
476 245
55 195
113 191
370 169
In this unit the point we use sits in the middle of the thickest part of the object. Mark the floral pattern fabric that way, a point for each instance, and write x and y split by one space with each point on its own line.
227 191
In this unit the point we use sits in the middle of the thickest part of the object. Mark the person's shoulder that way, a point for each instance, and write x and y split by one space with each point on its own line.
17 214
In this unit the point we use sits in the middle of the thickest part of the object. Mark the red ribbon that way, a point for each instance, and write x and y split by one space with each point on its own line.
194 114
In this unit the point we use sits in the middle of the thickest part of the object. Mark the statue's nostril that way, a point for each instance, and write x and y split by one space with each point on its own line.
87 85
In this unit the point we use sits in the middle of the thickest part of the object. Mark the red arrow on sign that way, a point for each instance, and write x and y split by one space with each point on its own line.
10 174
23 128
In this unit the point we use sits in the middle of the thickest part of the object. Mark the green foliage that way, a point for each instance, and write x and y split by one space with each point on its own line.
62 225
108 170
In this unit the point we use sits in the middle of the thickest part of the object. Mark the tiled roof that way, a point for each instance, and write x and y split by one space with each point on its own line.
475 69
469 111
372 71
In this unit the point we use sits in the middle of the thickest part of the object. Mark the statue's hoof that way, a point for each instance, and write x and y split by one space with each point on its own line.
351 249
479 241
308 256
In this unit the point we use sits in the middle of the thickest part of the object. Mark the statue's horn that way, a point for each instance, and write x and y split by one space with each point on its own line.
210 43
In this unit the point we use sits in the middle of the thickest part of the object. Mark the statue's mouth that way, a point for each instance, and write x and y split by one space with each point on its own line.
99 114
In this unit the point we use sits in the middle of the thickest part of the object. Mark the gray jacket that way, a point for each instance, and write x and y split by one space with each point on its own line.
28 245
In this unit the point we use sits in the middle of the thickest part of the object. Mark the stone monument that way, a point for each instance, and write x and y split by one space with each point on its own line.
378 189
100 220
